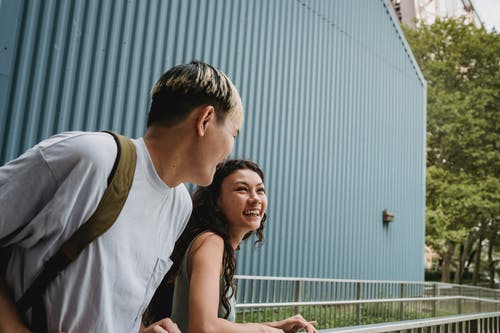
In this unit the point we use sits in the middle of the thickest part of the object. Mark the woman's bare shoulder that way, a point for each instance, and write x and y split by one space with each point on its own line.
207 240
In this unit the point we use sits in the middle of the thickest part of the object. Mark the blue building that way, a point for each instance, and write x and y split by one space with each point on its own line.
335 110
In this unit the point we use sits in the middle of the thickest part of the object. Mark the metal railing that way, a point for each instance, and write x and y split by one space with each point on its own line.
476 323
338 303
258 289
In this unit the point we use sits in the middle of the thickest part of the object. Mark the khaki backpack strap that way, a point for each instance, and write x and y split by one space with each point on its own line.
111 202
119 184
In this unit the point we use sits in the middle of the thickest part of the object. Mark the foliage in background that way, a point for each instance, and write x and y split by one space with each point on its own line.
461 64
352 315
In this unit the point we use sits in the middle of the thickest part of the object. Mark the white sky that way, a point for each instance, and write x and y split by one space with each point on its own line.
489 12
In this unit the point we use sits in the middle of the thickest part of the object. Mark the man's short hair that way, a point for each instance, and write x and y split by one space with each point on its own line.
186 86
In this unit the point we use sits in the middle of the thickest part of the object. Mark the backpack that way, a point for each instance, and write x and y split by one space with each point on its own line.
119 184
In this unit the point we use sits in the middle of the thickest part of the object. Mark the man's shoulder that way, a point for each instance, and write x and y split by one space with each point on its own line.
83 152
93 146
78 140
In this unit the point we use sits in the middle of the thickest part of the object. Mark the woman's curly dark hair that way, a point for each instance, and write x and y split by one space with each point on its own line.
206 217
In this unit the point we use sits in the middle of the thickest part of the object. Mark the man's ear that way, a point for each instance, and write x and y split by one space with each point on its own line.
205 114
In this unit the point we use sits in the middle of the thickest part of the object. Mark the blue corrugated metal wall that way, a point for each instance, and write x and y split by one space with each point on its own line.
335 110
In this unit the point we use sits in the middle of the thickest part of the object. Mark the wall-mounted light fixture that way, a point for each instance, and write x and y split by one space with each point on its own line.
387 216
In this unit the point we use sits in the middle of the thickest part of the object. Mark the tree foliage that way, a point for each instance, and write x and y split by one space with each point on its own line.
461 64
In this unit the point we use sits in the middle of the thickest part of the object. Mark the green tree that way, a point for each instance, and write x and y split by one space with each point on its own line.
461 64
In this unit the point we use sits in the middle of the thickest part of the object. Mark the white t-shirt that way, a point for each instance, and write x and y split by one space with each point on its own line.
49 191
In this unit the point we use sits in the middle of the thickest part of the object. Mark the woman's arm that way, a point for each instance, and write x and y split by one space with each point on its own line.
204 268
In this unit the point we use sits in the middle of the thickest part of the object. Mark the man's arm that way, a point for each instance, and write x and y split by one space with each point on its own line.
27 185
17 179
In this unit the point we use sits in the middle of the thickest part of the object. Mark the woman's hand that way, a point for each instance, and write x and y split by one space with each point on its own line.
294 324
166 325
270 329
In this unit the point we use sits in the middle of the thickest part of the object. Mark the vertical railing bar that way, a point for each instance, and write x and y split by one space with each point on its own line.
259 297
267 296
312 295
300 286
252 298
359 285
331 296
245 298
274 299
305 297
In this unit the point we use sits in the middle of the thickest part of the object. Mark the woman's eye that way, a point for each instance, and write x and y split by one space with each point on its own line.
261 190
241 189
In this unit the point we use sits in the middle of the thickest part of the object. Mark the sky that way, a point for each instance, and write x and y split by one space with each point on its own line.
489 12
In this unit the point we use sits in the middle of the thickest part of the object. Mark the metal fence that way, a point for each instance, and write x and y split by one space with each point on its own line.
339 303
264 289
477 323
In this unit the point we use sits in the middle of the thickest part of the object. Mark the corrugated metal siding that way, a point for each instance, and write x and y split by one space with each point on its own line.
335 110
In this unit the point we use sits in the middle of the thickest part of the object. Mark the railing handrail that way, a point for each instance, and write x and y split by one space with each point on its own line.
306 279
279 278
410 324
365 301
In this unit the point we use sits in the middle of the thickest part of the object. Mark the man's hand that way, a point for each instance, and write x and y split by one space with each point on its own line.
166 325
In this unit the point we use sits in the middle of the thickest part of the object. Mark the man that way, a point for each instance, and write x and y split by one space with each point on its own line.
53 188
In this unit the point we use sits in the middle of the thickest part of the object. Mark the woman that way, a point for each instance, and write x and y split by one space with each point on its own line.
226 212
